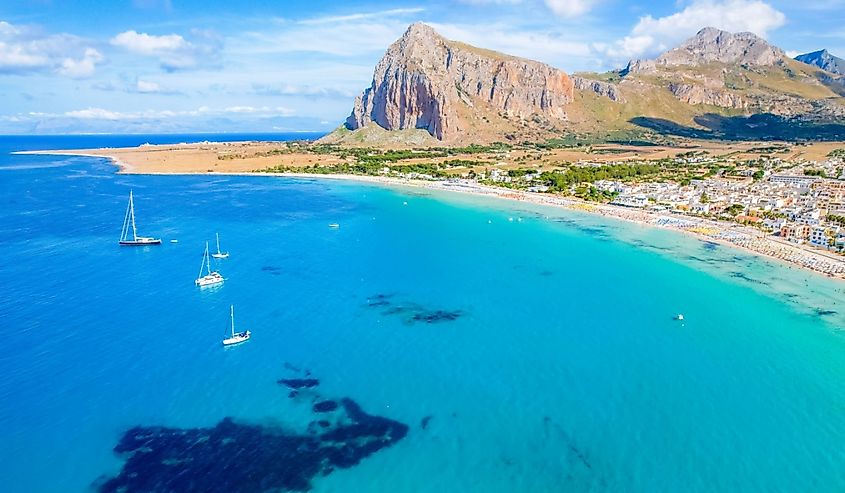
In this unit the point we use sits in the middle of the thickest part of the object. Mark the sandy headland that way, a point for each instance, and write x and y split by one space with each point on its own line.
205 157
255 158
242 157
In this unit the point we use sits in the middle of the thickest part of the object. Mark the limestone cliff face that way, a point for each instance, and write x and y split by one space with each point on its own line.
693 94
426 81
605 89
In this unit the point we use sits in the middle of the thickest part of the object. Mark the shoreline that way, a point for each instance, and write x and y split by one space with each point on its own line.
736 236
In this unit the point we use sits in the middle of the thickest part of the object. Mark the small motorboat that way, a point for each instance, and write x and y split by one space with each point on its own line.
679 317
334 225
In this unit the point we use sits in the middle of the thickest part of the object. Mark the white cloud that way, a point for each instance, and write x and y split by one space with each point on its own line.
303 90
25 49
113 115
548 47
277 111
653 35
344 36
145 86
83 67
362 16
173 51
570 8
146 44
561 8
91 114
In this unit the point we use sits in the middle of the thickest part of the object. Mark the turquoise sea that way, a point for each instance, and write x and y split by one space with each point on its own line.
460 343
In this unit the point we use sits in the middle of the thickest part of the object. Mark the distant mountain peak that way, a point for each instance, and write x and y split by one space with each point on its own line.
824 60
420 29
713 45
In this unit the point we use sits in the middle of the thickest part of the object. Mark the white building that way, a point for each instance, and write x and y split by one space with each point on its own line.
819 236
794 180
638 200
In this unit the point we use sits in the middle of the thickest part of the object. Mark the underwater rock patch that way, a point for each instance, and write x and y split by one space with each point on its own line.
380 300
324 407
744 277
412 312
299 383
244 457
436 316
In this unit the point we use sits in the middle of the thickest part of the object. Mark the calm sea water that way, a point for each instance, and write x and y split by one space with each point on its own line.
526 349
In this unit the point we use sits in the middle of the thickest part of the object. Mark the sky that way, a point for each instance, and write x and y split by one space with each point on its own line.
175 66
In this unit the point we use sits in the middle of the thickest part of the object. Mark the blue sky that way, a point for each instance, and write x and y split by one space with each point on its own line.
69 66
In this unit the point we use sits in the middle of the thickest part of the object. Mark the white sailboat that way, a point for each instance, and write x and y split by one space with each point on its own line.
219 254
211 277
129 227
237 337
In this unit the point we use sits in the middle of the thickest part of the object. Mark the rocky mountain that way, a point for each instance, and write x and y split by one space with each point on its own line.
824 60
447 88
711 45
738 72
428 89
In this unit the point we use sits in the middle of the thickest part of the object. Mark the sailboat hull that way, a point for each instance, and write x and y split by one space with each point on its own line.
209 280
220 255
238 338
140 242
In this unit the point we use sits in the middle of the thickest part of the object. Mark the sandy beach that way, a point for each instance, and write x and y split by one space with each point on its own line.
185 159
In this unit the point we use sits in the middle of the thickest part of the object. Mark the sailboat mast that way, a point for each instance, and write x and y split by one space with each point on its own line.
125 229
218 242
232 314
207 258
204 256
132 212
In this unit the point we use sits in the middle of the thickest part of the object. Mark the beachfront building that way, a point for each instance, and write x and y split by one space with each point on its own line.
797 233
639 200
819 236
500 176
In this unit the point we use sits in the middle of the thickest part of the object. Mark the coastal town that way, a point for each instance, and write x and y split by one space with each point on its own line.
799 202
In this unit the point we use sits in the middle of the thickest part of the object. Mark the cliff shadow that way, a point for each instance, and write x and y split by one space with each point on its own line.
764 126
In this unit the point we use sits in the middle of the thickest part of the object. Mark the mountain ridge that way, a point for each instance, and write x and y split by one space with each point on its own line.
459 94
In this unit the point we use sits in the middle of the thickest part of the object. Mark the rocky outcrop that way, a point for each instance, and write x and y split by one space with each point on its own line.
427 82
694 94
605 89
711 45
